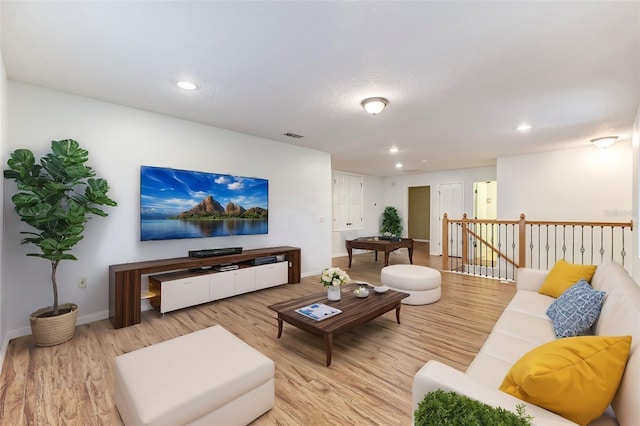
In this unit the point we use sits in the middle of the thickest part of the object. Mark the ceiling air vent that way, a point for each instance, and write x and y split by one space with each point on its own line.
293 135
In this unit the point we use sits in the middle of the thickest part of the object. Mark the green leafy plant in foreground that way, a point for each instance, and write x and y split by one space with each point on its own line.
440 408
56 196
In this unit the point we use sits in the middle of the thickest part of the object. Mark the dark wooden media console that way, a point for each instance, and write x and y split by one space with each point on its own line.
125 279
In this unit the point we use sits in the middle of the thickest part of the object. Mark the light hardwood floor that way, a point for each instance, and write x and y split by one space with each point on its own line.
368 383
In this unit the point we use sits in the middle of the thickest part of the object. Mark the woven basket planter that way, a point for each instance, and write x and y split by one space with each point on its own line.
50 331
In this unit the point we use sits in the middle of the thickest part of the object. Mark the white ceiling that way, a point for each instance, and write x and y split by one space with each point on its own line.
459 76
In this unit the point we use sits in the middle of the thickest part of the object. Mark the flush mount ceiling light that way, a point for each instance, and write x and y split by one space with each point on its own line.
393 149
398 165
186 85
604 142
374 105
523 127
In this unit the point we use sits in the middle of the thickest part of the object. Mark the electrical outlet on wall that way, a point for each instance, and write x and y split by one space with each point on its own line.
82 282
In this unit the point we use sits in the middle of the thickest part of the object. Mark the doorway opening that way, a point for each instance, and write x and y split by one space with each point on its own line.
485 196
485 207
419 217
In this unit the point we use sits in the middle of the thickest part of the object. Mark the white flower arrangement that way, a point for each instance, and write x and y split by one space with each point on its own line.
333 277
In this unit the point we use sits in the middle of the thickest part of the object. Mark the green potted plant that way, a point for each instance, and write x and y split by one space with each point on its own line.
391 223
56 197
440 408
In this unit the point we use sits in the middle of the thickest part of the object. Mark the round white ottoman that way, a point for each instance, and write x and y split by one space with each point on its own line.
422 283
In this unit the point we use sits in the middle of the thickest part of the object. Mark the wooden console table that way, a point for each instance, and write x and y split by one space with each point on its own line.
125 279
387 246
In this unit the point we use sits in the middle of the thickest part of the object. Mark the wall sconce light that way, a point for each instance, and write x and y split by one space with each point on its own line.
374 105
604 142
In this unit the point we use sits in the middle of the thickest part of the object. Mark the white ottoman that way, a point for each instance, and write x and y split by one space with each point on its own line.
421 283
208 377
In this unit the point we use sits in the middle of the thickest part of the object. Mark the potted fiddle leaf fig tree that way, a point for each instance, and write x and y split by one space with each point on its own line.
56 196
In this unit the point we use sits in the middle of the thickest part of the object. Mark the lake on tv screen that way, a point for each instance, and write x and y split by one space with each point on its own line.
170 229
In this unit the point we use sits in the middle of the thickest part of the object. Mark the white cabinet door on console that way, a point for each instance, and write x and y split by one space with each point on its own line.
245 280
272 274
177 294
221 285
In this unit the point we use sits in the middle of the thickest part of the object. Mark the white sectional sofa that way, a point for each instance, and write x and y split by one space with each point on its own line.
524 326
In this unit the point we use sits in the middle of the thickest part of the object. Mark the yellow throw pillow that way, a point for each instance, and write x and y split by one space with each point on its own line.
563 275
575 377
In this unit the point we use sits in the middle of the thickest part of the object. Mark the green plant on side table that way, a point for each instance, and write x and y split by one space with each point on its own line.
391 223
440 408
56 197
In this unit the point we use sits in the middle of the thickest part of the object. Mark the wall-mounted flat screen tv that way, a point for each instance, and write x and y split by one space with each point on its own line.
178 204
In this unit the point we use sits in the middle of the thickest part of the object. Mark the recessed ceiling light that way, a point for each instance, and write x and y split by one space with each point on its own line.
393 149
424 161
523 127
186 85
398 165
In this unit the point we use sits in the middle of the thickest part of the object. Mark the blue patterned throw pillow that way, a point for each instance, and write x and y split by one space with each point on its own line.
575 310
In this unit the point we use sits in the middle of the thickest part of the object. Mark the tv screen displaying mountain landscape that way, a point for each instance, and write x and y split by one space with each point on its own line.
178 204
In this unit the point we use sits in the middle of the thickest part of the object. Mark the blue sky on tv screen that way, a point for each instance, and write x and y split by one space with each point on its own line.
166 192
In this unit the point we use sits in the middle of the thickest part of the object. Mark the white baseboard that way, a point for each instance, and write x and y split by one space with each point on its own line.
96 316
3 351
82 319
354 252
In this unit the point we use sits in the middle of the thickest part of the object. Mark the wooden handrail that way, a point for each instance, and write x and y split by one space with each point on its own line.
492 248
469 233
628 224
589 224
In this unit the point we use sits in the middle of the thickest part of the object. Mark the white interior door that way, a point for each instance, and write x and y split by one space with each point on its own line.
451 202
485 206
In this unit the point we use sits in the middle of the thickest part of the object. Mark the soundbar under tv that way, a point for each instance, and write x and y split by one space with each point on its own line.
215 252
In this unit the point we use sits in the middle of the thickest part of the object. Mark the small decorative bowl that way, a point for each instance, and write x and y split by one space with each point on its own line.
361 292
380 288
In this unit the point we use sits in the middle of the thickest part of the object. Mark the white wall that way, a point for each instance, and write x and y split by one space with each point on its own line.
373 204
119 141
581 184
636 198
3 138
396 194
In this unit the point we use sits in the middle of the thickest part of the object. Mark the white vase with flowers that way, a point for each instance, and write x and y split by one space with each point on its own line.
333 279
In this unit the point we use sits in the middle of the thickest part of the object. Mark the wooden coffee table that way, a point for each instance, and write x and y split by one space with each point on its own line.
355 311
